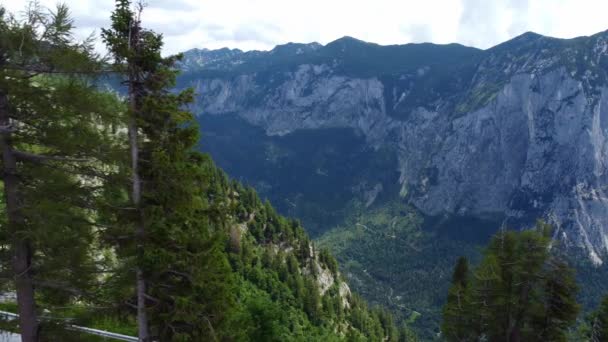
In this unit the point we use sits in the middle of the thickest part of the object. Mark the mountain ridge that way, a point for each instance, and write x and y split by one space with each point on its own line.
528 35
415 99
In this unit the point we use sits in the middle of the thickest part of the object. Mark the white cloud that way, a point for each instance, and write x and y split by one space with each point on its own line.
261 24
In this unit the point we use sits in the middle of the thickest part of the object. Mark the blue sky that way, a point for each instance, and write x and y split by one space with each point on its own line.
262 24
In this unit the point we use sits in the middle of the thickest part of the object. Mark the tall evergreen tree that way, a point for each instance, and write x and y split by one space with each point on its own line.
560 309
175 246
137 56
51 141
457 325
519 292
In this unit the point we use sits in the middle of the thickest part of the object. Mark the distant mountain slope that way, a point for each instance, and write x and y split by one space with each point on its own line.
511 133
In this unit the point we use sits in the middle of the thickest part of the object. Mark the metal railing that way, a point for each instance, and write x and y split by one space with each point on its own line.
102 333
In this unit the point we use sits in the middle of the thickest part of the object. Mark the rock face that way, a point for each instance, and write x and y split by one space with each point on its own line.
515 132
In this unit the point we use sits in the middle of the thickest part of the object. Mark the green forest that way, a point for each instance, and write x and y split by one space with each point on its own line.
111 219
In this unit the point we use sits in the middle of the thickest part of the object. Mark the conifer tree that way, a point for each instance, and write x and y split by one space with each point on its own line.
312 301
560 308
406 335
174 233
519 292
598 322
51 136
456 325
137 56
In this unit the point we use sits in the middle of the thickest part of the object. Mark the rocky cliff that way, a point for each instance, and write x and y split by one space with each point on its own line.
515 132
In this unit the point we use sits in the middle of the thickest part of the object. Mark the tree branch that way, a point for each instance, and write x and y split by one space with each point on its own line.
181 274
42 159
37 70
58 286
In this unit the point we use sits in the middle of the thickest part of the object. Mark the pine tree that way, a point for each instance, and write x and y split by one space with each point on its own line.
312 301
406 335
456 325
176 244
560 308
137 56
519 292
51 135
599 323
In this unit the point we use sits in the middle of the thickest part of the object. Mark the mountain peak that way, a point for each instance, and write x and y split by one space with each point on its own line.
348 40
524 41
529 35
292 48
197 58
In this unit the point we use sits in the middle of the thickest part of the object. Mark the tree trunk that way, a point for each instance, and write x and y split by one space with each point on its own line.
24 284
22 253
142 317
515 333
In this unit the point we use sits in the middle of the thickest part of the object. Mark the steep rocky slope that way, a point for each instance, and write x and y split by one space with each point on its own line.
507 134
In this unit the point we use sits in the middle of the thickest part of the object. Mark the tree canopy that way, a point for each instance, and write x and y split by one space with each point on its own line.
520 291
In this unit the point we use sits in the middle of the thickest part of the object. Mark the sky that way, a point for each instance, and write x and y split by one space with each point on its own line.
262 24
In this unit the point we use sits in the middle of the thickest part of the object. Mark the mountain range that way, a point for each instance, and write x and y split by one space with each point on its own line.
400 158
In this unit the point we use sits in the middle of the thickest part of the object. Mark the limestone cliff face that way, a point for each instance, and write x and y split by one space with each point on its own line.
518 131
